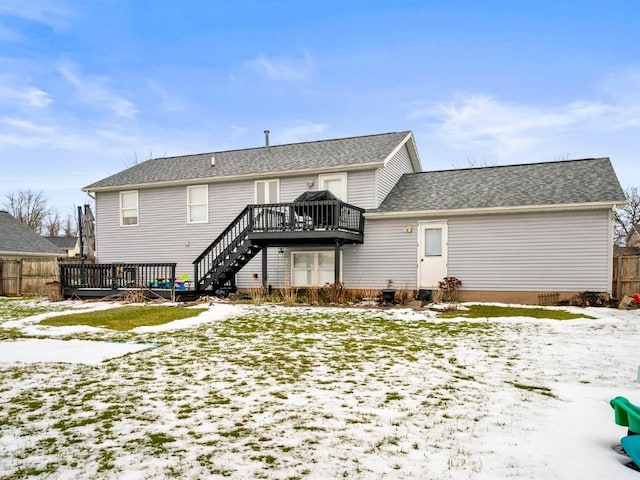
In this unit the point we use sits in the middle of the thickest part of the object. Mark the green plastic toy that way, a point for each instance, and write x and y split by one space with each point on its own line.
627 414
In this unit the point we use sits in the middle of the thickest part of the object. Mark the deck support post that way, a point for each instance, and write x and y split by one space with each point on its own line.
264 270
336 264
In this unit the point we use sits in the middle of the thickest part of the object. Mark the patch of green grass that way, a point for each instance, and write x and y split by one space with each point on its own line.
391 396
15 308
125 318
157 439
493 311
33 471
238 432
10 334
534 388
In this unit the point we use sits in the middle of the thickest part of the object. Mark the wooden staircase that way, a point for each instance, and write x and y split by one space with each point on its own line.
217 265
326 222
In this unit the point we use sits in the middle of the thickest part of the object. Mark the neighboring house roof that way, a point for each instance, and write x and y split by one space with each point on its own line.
347 153
67 243
18 239
562 183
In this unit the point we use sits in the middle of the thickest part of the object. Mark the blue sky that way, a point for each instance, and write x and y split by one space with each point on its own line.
89 88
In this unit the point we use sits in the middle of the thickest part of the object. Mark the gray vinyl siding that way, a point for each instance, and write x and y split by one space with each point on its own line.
389 175
388 252
292 187
567 251
163 234
564 251
361 188
276 270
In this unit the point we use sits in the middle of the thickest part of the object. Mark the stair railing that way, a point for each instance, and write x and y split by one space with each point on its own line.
216 259
222 246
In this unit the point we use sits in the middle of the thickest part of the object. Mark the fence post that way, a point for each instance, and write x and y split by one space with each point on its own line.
19 277
1 277
618 276
173 282
114 274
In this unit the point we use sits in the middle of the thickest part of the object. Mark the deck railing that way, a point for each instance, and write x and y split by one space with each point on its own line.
300 216
119 275
323 215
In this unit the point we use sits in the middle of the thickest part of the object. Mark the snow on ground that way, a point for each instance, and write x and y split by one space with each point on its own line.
34 350
282 393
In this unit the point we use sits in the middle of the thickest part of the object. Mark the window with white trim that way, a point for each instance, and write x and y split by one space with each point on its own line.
309 269
432 242
336 183
198 204
129 208
267 191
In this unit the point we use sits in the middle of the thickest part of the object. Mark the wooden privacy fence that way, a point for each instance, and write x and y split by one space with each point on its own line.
27 276
626 276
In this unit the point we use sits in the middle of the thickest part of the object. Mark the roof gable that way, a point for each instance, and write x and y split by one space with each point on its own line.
17 238
273 160
526 185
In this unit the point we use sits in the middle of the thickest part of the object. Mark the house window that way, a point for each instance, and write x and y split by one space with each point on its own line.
129 208
432 242
198 204
312 268
336 183
267 191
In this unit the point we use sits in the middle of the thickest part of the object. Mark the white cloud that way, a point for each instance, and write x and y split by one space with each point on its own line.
94 92
32 135
483 122
283 69
13 93
54 13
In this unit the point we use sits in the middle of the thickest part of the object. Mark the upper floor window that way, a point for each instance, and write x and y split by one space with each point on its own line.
198 204
129 208
336 183
267 191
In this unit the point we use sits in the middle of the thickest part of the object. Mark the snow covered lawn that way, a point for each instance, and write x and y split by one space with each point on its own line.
308 393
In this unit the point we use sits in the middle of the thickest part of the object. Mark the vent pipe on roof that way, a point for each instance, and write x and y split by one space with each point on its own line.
266 138
213 161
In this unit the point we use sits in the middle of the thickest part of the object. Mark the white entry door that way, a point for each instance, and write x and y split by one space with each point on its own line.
433 253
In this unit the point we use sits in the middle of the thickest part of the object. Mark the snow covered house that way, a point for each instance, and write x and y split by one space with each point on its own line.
362 211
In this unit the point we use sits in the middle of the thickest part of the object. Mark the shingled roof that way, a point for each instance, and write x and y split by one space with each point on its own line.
537 184
323 154
18 239
66 243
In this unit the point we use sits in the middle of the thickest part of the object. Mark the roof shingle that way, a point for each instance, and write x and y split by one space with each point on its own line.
277 158
17 238
550 183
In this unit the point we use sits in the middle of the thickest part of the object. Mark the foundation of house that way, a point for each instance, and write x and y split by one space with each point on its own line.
525 298
413 297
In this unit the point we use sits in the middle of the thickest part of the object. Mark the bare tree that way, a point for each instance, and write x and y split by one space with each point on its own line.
562 157
471 162
68 229
52 224
627 217
29 207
